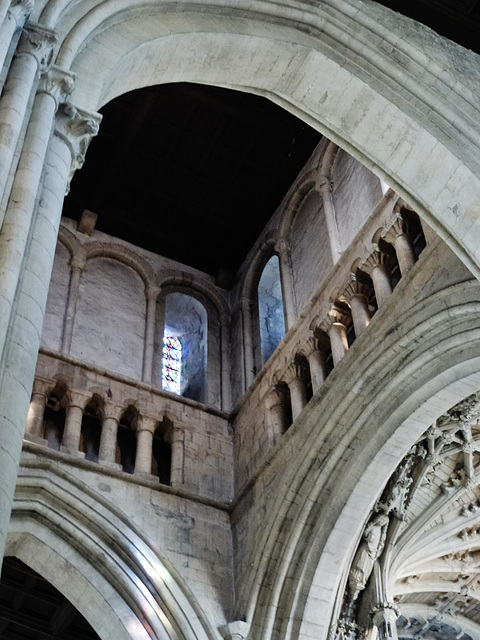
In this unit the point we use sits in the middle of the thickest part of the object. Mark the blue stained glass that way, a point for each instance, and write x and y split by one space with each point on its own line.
172 364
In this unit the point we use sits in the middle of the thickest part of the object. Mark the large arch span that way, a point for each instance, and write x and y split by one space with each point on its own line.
386 89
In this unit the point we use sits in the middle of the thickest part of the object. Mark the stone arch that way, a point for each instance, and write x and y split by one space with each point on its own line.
379 120
123 255
291 599
68 540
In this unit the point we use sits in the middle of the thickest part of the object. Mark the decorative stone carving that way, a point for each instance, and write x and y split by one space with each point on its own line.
237 630
370 548
38 42
76 128
57 83
20 9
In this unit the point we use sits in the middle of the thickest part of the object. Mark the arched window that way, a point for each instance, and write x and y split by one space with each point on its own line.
172 364
270 308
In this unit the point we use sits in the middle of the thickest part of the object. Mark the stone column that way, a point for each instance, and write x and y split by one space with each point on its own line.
248 342
335 324
325 187
276 414
397 235
226 363
376 266
177 443
108 437
356 296
21 350
34 53
143 459
73 422
78 265
316 362
36 411
288 292
151 293
298 391
15 17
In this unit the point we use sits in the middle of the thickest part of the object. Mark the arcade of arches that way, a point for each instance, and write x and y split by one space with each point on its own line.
239 321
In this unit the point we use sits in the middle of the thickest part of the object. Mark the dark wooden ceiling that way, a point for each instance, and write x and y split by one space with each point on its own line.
191 172
458 20
32 609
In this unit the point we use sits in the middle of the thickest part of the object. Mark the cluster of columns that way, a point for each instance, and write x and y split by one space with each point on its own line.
354 308
76 403
42 141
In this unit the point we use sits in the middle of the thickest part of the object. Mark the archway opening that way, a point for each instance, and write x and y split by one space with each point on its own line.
270 308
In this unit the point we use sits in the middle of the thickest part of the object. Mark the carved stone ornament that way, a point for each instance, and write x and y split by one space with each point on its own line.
20 9
375 259
354 288
76 128
38 42
57 83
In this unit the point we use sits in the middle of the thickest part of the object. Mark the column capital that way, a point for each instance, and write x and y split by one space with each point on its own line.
334 316
42 387
147 423
78 399
294 370
152 291
76 127
79 262
20 9
237 630
38 42
374 259
57 83
309 346
397 228
354 288
113 411
274 396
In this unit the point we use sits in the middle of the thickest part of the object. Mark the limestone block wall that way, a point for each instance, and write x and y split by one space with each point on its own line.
261 475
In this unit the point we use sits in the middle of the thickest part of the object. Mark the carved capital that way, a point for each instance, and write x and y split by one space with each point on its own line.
293 371
275 397
334 316
397 228
311 345
42 387
112 410
376 258
79 262
354 288
57 83
20 9
237 630
151 292
78 399
38 42
146 423
76 128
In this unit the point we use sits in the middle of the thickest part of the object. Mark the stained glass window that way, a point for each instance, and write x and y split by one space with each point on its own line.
172 364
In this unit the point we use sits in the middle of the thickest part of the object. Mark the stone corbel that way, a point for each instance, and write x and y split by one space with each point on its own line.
76 127
57 83
38 42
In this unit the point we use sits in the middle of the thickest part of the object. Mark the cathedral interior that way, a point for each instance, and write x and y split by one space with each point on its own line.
240 320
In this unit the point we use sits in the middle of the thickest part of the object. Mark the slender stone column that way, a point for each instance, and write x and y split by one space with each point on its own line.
335 325
15 17
34 53
384 617
276 414
35 417
177 443
108 438
287 283
78 265
143 459
325 187
21 350
248 342
298 391
226 363
376 266
73 422
151 293
356 296
316 362
17 226
397 235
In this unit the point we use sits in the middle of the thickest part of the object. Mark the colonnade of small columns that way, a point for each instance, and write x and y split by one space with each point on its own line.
370 279
75 404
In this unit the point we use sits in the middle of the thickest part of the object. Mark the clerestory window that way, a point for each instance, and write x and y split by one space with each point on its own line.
172 364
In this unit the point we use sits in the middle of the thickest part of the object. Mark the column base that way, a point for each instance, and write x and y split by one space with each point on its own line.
72 452
110 465
146 476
